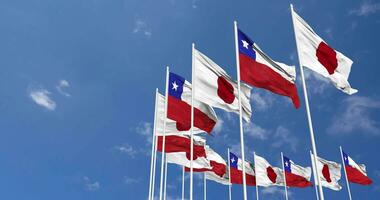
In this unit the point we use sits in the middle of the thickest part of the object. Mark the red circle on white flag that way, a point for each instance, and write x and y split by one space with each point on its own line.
225 90
327 57
326 173
271 174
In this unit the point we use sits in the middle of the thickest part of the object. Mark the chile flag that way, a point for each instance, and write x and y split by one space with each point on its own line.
355 173
295 175
259 70
179 106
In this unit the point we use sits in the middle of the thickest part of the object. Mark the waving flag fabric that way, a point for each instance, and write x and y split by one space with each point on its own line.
172 127
295 175
176 143
217 89
317 55
183 158
259 70
218 167
179 106
236 168
329 173
355 173
266 174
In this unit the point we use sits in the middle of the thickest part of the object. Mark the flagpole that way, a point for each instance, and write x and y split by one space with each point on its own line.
163 137
229 175
154 163
192 122
345 173
240 110
166 176
283 170
152 159
204 182
204 186
314 175
314 148
257 187
183 183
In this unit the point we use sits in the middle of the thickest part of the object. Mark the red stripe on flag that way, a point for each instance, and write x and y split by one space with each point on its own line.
180 111
293 180
355 176
237 177
218 168
262 76
175 143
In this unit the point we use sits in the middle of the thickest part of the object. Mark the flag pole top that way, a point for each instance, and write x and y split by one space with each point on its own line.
156 90
291 6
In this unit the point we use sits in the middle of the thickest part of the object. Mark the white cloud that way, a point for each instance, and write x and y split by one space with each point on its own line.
41 97
279 191
218 126
329 33
62 84
130 180
235 148
366 8
230 117
145 129
355 115
127 149
142 28
194 4
91 185
283 137
293 56
256 131
316 84
262 100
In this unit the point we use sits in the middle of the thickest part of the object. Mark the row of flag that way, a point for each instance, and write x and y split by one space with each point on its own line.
260 172
187 110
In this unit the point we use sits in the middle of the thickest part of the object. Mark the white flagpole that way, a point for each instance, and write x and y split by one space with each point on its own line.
257 186
166 177
240 110
192 122
183 183
283 170
314 148
229 175
154 162
314 167
154 166
204 186
163 137
345 173
204 183
153 159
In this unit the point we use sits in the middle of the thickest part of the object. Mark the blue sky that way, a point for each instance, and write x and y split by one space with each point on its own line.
77 88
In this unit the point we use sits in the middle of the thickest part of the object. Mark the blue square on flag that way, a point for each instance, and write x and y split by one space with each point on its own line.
246 45
287 165
345 158
175 85
233 160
